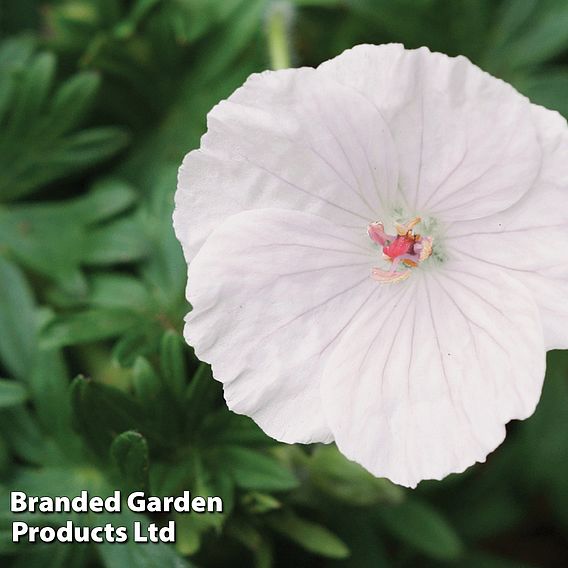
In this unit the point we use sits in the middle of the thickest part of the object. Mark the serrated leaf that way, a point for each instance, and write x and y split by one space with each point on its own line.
102 412
130 454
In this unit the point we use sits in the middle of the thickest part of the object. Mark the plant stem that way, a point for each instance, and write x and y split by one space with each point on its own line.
278 44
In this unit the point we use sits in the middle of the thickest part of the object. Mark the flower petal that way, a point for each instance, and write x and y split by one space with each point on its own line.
529 239
467 146
272 291
422 384
289 139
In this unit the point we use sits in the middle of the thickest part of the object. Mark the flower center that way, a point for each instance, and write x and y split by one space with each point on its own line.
405 248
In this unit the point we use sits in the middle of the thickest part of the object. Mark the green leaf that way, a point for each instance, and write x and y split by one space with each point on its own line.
250 537
146 382
308 535
47 239
423 528
347 481
38 138
165 270
18 328
188 535
253 470
84 149
172 359
11 393
102 412
260 503
134 554
85 327
31 95
216 482
15 52
49 387
108 197
23 434
118 291
191 20
53 238
120 241
233 38
200 396
139 341
130 453
227 428
160 406
71 102
529 33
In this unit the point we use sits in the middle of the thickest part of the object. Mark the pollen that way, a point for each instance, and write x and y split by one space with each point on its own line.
405 249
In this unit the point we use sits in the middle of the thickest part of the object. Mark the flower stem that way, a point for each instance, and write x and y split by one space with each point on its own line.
278 44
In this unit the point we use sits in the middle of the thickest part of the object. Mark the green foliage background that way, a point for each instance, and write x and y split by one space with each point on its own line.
99 101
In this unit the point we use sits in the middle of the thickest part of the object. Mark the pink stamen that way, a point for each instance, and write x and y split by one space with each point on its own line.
377 233
400 246
403 248
389 277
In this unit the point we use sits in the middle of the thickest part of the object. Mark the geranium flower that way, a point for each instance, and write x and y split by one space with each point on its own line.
378 256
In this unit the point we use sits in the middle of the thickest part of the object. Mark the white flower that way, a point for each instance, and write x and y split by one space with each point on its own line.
378 256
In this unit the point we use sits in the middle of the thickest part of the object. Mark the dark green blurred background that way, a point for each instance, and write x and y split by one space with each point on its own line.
99 101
